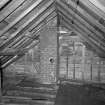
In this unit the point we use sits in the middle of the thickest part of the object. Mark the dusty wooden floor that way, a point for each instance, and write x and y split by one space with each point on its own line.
79 94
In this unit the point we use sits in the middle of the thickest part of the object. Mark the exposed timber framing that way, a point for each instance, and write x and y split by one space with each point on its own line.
20 53
20 17
89 34
86 16
83 34
11 7
22 28
83 21
3 3
33 35
24 37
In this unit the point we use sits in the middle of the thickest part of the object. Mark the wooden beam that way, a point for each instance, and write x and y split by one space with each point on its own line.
83 38
12 53
17 56
96 12
41 19
11 7
86 16
89 34
34 35
25 39
20 17
11 61
83 33
19 52
83 21
93 8
22 28
3 3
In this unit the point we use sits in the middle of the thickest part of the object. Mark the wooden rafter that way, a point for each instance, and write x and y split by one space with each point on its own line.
86 16
22 28
20 17
89 34
28 43
83 33
83 20
3 3
10 8
19 54
23 38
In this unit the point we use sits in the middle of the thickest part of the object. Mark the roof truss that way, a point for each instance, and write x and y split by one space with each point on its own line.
21 32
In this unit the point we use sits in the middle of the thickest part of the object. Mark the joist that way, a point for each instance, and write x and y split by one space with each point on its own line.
92 7
83 33
82 37
12 53
85 28
11 7
35 34
3 3
83 21
13 59
41 19
21 16
86 35
17 33
90 32
29 42
21 51
89 11
86 16
7 55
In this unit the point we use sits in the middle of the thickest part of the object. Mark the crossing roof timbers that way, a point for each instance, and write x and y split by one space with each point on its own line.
22 18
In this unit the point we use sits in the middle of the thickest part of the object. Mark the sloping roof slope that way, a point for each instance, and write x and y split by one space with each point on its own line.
22 20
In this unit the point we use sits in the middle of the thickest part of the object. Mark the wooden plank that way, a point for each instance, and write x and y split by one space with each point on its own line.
96 16
36 33
85 23
41 19
21 16
12 53
10 61
28 43
10 8
89 34
17 33
81 29
87 16
94 47
85 37
93 8
23 100
3 3
17 57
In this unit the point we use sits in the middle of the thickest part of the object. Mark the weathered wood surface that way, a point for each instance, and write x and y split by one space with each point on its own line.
76 94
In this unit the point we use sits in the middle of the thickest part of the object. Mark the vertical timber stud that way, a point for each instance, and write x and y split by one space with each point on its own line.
58 56
99 70
1 83
83 61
